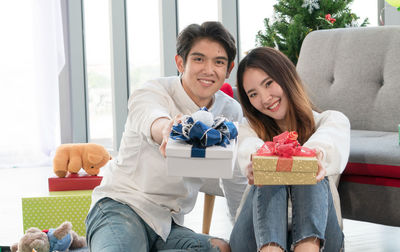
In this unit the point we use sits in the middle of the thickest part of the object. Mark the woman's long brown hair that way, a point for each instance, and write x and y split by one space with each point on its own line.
278 67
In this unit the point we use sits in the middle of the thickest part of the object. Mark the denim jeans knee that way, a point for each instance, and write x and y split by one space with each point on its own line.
113 226
317 218
270 215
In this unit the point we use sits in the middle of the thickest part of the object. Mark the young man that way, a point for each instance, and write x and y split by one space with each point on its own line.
138 207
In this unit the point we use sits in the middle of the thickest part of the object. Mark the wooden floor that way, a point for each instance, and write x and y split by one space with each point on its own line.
15 183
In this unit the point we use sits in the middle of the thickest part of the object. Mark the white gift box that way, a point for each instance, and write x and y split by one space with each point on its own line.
218 161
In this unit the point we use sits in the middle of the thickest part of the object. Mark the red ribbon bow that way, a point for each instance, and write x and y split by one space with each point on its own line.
285 146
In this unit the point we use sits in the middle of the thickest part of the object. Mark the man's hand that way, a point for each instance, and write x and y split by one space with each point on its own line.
166 131
321 170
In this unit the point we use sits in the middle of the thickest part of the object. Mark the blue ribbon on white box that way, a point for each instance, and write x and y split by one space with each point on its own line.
201 136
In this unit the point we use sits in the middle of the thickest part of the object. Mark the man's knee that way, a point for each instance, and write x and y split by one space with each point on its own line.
221 244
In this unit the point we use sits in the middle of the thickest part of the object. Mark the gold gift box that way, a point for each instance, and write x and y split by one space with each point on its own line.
304 171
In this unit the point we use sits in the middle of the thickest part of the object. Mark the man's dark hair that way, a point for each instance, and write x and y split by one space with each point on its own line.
211 30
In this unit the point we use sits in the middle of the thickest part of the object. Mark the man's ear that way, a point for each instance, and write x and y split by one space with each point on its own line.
179 63
230 70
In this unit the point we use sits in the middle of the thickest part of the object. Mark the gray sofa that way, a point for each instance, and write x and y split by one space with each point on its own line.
357 71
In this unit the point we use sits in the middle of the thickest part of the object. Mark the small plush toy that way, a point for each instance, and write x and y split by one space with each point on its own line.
227 89
72 157
60 239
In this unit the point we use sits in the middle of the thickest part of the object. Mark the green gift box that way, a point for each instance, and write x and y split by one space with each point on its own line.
50 211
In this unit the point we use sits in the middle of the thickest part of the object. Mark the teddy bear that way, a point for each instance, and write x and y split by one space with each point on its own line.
62 238
72 157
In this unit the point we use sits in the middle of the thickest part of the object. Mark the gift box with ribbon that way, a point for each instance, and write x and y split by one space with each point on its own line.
201 146
284 162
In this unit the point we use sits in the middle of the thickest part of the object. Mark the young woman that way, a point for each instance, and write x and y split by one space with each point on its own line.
274 101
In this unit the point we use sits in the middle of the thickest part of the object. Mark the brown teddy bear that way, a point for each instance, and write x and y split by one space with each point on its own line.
59 239
72 157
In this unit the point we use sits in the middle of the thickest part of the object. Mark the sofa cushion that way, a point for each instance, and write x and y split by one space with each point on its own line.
355 71
374 158
375 147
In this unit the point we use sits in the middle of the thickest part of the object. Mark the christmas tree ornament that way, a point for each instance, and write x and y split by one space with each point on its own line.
329 18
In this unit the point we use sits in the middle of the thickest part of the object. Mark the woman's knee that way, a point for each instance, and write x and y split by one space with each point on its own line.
308 244
271 247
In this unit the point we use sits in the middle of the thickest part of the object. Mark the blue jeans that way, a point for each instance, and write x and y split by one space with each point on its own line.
264 219
112 226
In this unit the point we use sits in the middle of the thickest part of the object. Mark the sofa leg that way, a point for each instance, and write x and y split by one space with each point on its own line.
207 213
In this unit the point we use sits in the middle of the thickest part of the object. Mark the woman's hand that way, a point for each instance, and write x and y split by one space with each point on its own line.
166 131
321 170
249 173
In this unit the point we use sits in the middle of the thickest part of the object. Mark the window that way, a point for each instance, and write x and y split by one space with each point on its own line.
366 9
251 20
143 42
32 56
194 11
98 71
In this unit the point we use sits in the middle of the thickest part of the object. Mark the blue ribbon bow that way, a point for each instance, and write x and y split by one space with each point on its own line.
201 136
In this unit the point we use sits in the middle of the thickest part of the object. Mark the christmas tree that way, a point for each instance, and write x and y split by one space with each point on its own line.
294 19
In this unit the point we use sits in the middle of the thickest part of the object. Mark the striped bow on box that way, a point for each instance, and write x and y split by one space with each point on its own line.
201 132
201 146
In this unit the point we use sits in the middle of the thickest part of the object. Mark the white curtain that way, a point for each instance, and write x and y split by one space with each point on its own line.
31 57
